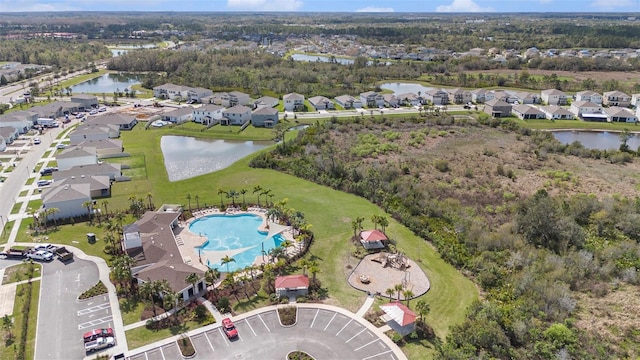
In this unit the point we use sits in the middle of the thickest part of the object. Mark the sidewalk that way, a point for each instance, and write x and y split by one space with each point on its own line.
366 306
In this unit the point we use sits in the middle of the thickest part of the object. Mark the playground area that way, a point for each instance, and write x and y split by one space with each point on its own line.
378 272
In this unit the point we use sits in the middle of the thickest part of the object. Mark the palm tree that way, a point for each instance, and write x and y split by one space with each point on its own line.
243 191
211 276
192 279
245 279
121 266
220 192
188 197
148 291
88 205
375 220
226 260
197 201
230 281
383 222
398 288
266 193
149 198
314 269
232 194
423 308
53 212
120 216
408 294
305 263
258 189
390 292
105 205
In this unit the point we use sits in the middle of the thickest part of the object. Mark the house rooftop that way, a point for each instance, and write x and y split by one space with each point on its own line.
68 192
182 111
292 282
373 235
401 314
102 144
76 151
98 182
293 96
238 109
266 111
111 119
88 170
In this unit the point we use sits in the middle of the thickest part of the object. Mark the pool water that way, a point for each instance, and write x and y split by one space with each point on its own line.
234 232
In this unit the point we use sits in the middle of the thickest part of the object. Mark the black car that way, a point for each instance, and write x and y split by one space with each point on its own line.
48 170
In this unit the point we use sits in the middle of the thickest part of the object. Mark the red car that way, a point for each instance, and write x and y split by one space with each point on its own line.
97 333
229 329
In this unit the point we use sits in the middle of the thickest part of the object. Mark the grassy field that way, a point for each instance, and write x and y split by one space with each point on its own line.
9 352
131 311
81 78
18 272
142 336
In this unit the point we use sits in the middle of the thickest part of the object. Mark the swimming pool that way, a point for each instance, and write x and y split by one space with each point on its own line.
237 234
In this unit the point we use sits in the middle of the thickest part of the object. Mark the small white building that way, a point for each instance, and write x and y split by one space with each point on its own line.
620 114
237 115
179 115
207 114
554 97
616 98
579 108
292 285
68 199
590 96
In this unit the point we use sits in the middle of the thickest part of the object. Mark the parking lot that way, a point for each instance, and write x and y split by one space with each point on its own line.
322 333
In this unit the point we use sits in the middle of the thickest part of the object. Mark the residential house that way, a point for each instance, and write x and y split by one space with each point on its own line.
555 112
87 132
554 97
151 241
99 186
589 96
372 99
616 98
399 317
478 95
497 108
56 109
293 102
69 199
237 115
76 156
460 96
635 100
86 101
23 121
104 147
292 285
523 97
321 103
266 101
373 239
171 92
111 170
620 114
3 144
124 122
579 108
437 97
409 99
207 114
9 134
502 95
230 99
196 94
178 116
264 117
527 112
348 102
390 100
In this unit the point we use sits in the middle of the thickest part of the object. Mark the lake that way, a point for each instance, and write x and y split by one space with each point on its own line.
107 83
602 140
304 57
187 157
402 88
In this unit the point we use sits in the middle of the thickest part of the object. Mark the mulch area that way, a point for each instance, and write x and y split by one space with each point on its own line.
382 278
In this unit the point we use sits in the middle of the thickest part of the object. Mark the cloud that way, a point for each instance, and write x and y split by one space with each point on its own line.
265 5
463 6
375 9
608 5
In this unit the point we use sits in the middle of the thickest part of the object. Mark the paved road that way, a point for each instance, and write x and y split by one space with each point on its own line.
322 333
62 319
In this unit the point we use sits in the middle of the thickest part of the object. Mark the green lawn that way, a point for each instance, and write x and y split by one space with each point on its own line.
9 352
131 311
142 336
16 207
18 272
81 78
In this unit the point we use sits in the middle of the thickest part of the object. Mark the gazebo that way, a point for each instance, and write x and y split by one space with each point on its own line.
399 317
292 285
373 239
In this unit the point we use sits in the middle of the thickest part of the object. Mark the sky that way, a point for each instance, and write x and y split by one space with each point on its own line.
427 6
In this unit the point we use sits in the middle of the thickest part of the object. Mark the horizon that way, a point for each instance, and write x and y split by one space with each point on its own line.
328 6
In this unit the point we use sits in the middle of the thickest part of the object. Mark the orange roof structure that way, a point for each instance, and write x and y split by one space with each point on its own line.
292 282
373 235
399 313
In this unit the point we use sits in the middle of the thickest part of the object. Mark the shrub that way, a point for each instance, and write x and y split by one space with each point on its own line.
442 165
186 347
95 290
201 312
299 355
287 315
223 305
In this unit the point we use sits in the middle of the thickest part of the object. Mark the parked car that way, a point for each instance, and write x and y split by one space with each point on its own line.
42 183
99 344
45 247
41 255
229 328
36 140
48 170
93 112
61 146
102 109
79 116
97 333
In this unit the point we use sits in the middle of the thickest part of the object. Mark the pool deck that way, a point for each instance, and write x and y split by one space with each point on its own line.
188 241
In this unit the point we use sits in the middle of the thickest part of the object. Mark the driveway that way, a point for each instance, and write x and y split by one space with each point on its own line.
320 332
62 319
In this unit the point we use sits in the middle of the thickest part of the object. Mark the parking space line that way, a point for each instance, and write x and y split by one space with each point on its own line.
265 324
376 355
354 336
365 345
87 324
345 325
250 327
162 353
314 318
93 309
209 341
146 356
334 316
224 337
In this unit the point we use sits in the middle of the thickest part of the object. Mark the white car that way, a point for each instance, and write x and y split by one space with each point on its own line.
102 109
42 255
44 247
93 112
61 146
100 343
36 140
